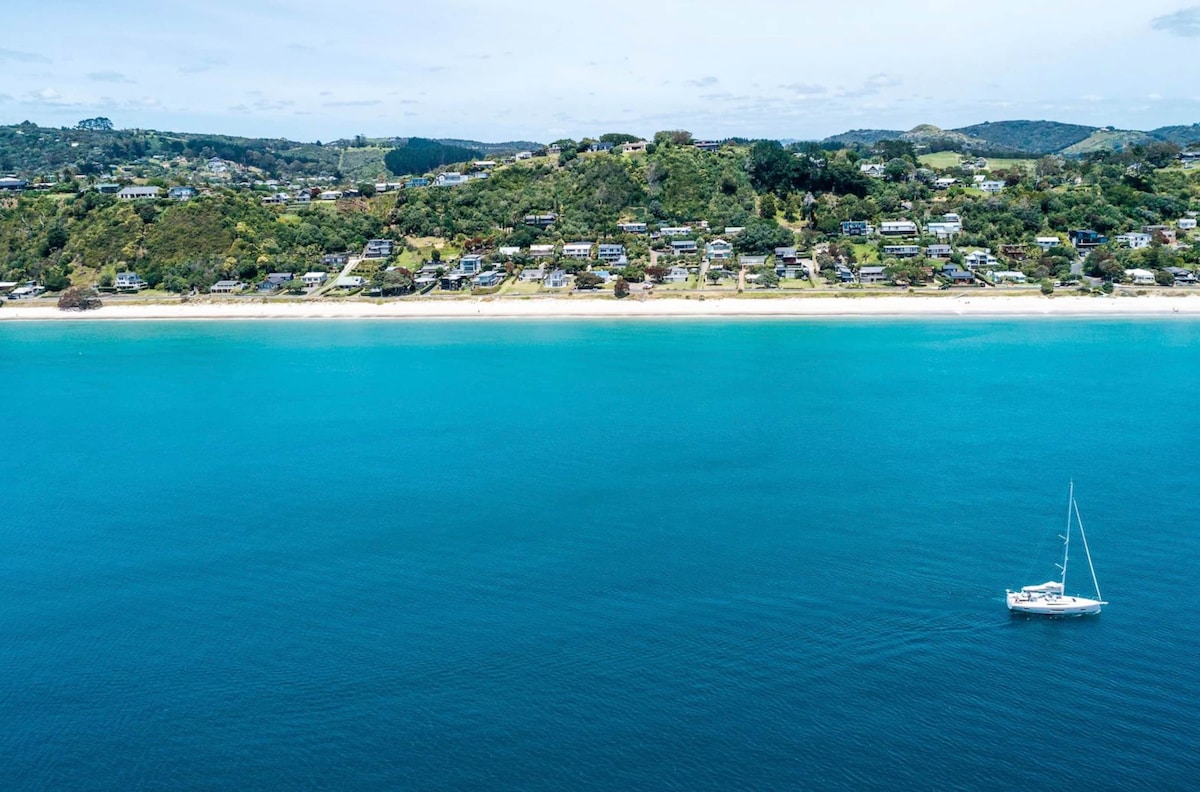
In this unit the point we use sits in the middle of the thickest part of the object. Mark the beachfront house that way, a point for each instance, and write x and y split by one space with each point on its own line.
871 274
1182 276
785 255
719 250
227 287
314 279
469 265
1140 277
532 275
556 279
676 275
794 269
132 193
487 280
350 282
129 281
1008 276
577 250
454 281
958 277
275 281
747 261
980 259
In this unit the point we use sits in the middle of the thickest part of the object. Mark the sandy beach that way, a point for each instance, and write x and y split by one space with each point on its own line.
915 306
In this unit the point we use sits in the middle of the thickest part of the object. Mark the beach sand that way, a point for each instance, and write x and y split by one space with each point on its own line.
958 305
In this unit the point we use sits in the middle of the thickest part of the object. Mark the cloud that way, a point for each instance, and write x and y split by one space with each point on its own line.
1184 22
805 89
352 103
703 82
17 56
108 77
202 64
871 86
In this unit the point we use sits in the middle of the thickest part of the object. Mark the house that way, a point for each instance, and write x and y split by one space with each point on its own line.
532 275
683 247
108 189
632 228
718 250
12 184
487 280
541 251
1083 238
556 279
227 287
958 277
1008 276
329 195
675 230
902 251
939 251
1166 233
129 281
523 155
450 180
216 165
303 198
676 275
416 181
507 250
1140 277
335 259
277 198
751 261
707 145
944 183
785 255
795 269
314 279
610 252
469 265
733 230
484 164
379 248
634 146
274 281
181 193
980 259
596 148
898 228
138 193
29 291
1047 242
1186 223
874 274
991 186
1182 276
577 250
1134 240
453 281
943 229
350 282
872 169
857 228
844 273
540 220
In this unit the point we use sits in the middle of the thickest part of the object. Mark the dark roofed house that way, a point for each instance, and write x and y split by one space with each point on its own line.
274 281
1086 238
12 184
335 259
785 255
871 274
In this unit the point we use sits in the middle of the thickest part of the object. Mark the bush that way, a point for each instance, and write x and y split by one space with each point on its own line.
621 288
1047 287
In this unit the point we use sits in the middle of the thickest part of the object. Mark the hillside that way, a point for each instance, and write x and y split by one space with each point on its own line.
1106 140
1034 137
865 137
1179 135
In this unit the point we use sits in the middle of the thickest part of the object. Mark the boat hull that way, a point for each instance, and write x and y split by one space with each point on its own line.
1019 602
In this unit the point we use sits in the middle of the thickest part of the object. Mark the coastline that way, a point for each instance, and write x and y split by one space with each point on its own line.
884 306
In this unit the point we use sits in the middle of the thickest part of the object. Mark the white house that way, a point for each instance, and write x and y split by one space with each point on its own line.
1134 240
943 229
676 275
944 183
523 155
632 228
314 279
450 179
350 282
898 228
902 251
1008 276
872 169
509 251
675 230
991 186
1045 243
470 264
734 230
1186 223
329 195
1140 277
682 247
138 193
610 252
577 250
556 279
541 251
129 281
533 275
227 287
979 259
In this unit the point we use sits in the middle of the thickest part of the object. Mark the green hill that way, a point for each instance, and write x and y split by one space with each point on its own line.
1034 137
1179 135
1107 140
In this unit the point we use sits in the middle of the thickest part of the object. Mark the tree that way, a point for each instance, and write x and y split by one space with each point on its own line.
97 124
78 298
1047 287
767 277
656 272
393 281
897 170
366 190
587 280
620 288
767 208
761 237
1164 278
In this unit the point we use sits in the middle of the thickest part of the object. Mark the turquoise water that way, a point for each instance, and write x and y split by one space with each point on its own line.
590 555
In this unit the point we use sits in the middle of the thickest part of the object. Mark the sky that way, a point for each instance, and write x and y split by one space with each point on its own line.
536 70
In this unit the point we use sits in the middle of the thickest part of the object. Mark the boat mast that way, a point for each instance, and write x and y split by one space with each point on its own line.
1086 551
1067 539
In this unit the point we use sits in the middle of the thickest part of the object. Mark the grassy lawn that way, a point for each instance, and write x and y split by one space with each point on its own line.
940 159
999 163
866 254
515 287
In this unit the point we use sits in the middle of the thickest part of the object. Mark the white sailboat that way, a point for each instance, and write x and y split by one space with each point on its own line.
1050 598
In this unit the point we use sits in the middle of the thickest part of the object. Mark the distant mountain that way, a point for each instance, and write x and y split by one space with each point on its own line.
1022 138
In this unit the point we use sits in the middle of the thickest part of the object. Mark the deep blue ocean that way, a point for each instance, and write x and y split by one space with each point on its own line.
665 555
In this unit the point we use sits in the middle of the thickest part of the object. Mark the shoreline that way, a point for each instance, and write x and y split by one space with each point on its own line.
882 306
